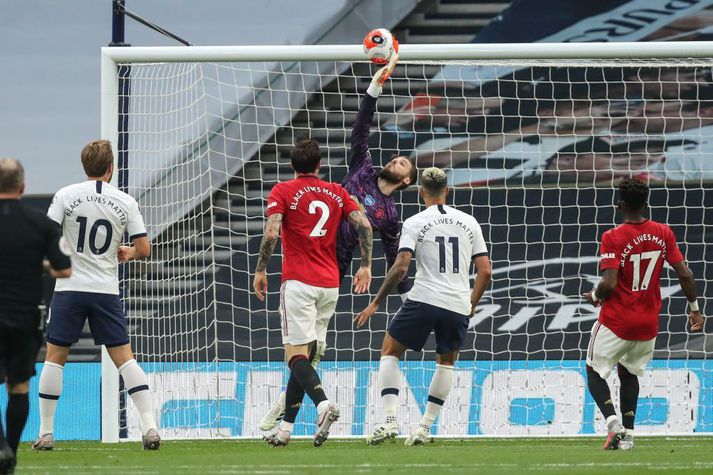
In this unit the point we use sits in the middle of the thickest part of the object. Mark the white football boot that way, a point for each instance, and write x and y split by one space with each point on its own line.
44 442
386 431
273 416
419 436
324 421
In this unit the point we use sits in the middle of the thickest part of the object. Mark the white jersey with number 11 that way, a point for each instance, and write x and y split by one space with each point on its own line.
94 216
444 242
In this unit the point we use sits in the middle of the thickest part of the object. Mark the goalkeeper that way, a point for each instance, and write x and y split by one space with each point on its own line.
373 189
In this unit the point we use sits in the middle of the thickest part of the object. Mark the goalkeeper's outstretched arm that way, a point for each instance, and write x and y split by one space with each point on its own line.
362 125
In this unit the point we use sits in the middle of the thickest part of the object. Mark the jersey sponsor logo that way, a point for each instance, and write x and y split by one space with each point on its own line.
379 213
369 200
609 255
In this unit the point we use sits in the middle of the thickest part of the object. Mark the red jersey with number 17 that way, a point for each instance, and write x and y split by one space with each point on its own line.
638 250
311 212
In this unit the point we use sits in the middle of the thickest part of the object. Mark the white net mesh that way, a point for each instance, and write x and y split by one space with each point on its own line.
535 150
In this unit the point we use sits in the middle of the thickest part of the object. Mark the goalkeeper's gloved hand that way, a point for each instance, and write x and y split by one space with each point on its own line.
377 82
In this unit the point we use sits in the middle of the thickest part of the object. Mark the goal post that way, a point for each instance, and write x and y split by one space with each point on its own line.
534 138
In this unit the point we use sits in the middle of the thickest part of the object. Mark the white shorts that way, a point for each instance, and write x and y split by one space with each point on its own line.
305 311
606 350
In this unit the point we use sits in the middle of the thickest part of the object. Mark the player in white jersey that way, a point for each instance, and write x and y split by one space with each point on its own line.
444 241
94 216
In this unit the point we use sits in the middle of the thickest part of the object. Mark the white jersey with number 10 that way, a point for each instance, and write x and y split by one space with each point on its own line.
444 241
94 216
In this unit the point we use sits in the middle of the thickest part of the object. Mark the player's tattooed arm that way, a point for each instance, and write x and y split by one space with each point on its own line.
267 247
366 238
393 277
269 241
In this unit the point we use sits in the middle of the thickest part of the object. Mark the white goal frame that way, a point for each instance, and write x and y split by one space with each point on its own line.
111 57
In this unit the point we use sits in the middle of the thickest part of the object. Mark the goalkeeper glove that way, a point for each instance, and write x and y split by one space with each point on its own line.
377 82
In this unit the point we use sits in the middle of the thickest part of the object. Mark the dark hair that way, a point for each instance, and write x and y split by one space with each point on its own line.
634 193
434 181
97 157
305 156
12 175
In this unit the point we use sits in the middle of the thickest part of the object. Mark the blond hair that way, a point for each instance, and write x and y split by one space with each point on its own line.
434 181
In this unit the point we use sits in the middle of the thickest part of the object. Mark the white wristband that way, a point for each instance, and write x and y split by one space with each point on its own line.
694 306
374 90
595 297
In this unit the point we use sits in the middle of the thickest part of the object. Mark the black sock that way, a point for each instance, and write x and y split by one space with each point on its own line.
18 407
294 394
628 397
293 399
599 389
307 377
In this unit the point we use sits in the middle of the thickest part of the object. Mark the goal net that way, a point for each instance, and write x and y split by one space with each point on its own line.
534 148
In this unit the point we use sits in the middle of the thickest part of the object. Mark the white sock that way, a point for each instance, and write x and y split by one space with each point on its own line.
322 406
437 393
288 426
613 423
389 385
50 390
137 385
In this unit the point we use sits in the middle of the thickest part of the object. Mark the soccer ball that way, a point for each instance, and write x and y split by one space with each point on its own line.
379 45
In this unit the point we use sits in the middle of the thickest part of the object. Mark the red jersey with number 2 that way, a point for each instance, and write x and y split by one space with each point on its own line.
638 250
311 212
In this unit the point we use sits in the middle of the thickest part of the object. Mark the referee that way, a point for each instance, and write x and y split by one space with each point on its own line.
27 238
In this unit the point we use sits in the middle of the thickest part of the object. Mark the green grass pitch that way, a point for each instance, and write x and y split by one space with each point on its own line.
678 455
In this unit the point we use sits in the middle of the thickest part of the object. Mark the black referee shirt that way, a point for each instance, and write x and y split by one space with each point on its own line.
27 237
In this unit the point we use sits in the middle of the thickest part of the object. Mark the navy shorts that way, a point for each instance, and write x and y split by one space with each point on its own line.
69 311
415 320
